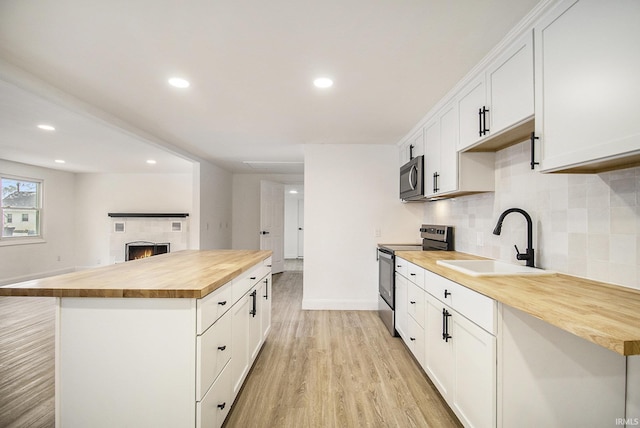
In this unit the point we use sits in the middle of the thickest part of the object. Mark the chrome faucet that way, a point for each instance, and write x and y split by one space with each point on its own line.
528 256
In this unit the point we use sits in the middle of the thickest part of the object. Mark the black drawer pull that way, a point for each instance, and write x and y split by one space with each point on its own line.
412 339
224 302
222 406
253 277
446 293
222 348
413 302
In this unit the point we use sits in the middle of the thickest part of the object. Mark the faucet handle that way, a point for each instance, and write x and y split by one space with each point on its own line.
521 256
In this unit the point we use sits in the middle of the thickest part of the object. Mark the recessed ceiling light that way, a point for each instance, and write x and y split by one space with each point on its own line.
46 127
323 82
179 82
151 162
59 161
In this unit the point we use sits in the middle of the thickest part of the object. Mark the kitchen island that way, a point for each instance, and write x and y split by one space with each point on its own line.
149 343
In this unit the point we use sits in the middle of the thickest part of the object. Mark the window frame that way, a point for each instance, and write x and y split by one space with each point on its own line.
38 209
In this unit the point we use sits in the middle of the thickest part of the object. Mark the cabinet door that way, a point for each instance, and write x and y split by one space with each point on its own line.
448 176
240 342
474 360
255 317
401 309
510 85
472 98
416 341
439 352
587 84
213 409
265 311
432 156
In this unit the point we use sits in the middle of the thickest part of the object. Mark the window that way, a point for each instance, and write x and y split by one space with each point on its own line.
21 200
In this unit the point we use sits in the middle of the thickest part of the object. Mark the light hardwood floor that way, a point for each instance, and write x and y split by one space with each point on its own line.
317 369
333 369
27 347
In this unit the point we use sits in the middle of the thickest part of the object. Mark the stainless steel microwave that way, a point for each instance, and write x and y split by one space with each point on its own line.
412 180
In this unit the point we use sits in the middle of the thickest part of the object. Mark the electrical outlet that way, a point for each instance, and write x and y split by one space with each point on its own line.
378 233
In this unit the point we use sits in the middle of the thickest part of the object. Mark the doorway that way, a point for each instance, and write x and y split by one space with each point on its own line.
294 226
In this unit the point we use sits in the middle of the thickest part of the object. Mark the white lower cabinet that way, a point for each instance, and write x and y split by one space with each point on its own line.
474 367
459 354
401 307
214 407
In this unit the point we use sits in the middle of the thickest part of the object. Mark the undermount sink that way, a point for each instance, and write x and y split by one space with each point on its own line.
491 268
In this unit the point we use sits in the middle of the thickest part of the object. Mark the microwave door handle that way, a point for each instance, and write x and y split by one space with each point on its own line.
413 168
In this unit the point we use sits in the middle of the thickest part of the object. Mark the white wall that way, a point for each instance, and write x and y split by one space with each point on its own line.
350 192
212 207
584 224
56 254
99 194
246 207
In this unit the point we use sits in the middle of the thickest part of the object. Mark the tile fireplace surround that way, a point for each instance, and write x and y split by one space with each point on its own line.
161 228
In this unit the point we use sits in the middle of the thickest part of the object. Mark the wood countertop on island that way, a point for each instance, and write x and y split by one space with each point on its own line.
181 274
605 314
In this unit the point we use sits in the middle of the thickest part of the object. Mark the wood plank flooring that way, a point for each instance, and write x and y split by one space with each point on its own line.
27 352
333 369
317 369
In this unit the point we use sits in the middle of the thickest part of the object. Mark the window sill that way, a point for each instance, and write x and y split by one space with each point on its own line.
6 242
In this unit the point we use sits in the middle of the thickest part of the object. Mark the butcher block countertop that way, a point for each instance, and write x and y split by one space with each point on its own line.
181 274
605 314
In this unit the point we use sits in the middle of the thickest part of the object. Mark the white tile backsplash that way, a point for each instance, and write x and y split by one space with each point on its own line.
583 224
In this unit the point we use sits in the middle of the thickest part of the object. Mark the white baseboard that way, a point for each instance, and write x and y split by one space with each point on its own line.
339 305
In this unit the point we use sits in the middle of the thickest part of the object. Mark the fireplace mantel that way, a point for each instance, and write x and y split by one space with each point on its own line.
150 215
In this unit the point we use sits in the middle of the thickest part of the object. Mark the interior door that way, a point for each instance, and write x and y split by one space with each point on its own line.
272 222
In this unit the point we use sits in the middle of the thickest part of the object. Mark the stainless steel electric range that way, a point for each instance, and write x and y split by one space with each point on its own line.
434 238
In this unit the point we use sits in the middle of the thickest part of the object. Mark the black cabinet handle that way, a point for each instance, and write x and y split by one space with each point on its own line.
445 325
266 289
435 182
411 147
446 293
413 302
533 139
482 121
252 277
412 274
253 297
222 406
224 302
412 339
222 348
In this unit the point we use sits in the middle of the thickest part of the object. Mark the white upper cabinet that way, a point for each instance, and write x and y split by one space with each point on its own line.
510 86
587 79
447 172
494 107
412 147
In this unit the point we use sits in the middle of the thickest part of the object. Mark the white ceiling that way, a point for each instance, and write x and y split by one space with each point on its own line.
251 64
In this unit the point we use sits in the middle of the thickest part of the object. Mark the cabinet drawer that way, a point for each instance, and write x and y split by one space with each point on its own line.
213 409
212 307
476 307
247 280
213 353
440 287
415 274
416 303
401 266
416 341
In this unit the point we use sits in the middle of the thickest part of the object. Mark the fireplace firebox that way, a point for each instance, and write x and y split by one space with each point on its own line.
141 249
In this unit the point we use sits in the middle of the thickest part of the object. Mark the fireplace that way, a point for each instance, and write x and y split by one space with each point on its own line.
141 249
